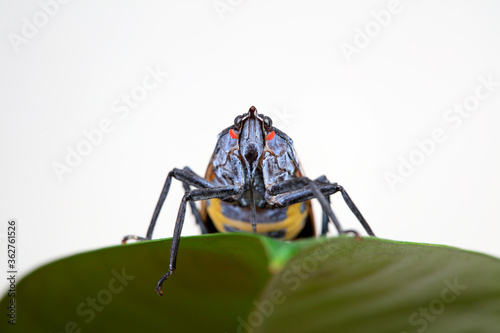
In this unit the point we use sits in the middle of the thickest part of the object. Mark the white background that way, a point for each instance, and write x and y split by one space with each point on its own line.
350 120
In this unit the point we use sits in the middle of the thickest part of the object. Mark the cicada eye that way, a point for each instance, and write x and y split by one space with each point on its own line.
268 121
233 134
237 121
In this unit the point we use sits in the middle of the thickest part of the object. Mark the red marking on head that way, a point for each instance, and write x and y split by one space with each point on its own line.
270 136
233 134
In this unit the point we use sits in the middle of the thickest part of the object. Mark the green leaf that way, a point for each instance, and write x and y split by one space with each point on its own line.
250 283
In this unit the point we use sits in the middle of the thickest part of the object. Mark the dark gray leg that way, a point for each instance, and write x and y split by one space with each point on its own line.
324 221
301 189
194 209
185 176
193 195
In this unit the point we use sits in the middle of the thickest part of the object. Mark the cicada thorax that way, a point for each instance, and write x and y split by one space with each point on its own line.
277 163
